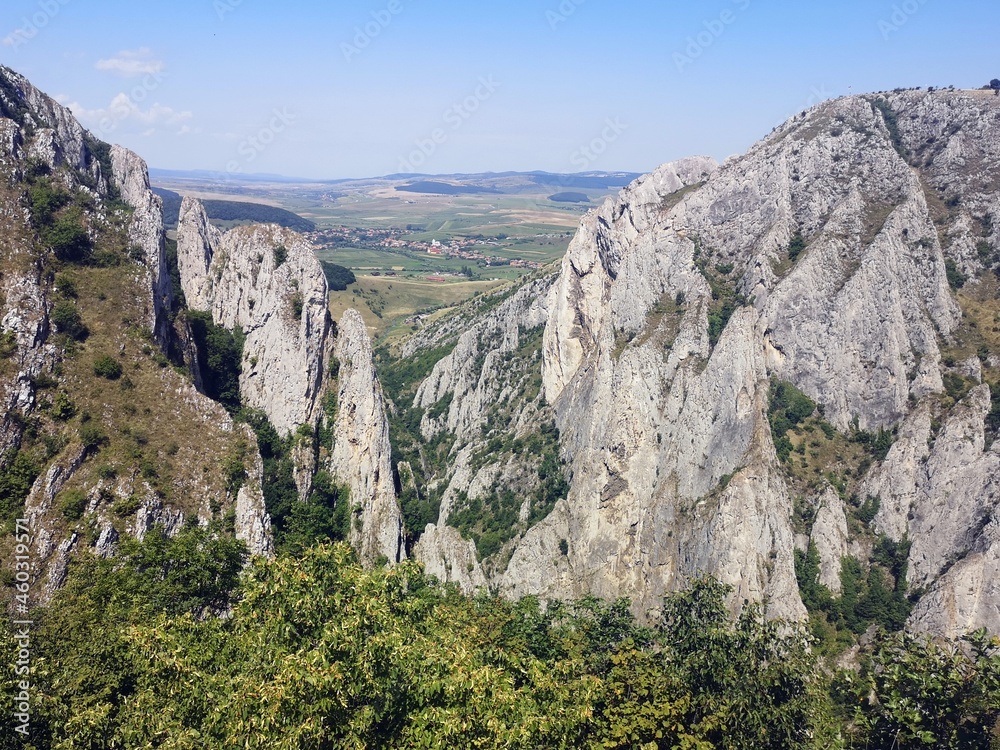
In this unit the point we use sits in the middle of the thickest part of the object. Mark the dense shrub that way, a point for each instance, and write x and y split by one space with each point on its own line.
72 503
796 247
16 477
107 367
338 278
220 355
66 318
956 279
788 408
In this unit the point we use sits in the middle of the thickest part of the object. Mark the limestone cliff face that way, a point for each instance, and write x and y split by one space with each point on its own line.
57 138
84 495
361 456
266 280
822 258
942 492
32 126
131 177
478 401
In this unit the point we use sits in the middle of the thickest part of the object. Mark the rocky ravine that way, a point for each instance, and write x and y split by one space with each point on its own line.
263 279
266 280
661 395
42 141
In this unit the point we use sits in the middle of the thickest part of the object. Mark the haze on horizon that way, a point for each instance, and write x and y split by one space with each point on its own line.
384 86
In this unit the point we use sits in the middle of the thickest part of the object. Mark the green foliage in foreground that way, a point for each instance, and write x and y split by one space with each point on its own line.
316 652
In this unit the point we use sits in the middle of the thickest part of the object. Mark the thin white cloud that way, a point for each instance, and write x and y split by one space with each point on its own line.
123 111
132 63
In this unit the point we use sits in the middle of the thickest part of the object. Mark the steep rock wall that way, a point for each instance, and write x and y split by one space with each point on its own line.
266 280
361 456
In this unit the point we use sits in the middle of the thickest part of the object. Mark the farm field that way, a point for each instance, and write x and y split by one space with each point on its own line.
385 234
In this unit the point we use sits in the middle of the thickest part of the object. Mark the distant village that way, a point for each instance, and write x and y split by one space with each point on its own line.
398 240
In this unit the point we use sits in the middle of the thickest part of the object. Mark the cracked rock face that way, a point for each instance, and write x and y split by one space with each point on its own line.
661 399
361 456
36 132
830 535
267 281
146 232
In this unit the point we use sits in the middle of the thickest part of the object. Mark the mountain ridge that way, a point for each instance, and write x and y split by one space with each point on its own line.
735 369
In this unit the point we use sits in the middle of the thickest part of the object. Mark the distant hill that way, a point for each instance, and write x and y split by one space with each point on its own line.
234 211
444 188
569 198
590 181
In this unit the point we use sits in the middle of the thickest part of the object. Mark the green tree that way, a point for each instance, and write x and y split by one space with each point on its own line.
748 684
220 355
66 318
918 693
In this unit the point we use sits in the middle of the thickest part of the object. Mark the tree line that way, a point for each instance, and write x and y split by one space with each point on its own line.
173 644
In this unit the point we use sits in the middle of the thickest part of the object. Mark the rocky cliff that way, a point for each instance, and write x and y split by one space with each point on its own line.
846 258
265 280
361 456
100 437
782 370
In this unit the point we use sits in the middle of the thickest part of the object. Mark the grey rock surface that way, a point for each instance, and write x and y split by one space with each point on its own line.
362 457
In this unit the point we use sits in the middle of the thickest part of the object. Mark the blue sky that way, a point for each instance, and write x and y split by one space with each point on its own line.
355 89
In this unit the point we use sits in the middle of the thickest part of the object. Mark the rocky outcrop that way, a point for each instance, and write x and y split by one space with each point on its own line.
85 496
131 177
265 280
362 457
942 492
450 558
968 596
252 523
830 535
58 139
821 257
